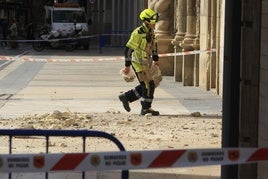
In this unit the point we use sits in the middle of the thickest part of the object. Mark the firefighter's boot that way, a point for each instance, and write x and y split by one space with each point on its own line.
150 111
125 102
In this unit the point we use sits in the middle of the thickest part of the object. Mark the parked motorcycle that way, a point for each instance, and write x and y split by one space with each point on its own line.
54 39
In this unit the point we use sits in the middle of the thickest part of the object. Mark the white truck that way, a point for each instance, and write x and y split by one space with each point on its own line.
63 17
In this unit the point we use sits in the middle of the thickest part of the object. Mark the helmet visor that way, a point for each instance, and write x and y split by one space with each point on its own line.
154 18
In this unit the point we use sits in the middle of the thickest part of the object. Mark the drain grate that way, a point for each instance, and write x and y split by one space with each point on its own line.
5 96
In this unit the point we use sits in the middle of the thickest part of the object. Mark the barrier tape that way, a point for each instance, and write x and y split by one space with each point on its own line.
130 160
94 59
116 58
186 53
6 58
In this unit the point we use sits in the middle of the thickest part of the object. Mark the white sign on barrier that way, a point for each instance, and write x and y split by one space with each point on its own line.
129 160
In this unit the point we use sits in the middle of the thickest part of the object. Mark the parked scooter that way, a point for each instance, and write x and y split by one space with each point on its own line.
54 39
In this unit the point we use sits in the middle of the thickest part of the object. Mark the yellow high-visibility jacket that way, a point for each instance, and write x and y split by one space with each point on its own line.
142 48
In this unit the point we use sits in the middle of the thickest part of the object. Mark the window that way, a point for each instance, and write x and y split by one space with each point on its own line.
67 16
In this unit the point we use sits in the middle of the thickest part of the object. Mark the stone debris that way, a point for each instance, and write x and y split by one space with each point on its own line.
134 131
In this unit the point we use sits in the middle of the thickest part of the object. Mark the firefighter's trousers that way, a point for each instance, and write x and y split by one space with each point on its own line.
145 90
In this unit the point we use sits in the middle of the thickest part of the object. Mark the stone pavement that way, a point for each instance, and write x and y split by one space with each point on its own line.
91 86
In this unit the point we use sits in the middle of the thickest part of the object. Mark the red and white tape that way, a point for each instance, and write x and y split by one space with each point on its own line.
194 52
56 59
92 59
129 160
6 58
116 58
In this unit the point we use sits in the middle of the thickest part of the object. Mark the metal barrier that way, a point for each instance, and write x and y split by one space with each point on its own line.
63 133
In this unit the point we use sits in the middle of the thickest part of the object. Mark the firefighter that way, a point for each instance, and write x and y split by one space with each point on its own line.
141 54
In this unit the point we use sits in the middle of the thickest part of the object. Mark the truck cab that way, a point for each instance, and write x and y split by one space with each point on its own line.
63 17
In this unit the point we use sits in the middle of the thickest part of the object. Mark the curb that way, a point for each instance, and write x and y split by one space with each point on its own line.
2 66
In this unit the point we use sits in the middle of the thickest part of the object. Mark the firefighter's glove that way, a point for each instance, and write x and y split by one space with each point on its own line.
155 56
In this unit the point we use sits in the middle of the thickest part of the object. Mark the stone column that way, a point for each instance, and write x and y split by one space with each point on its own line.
213 62
163 30
180 22
196 44
208 61
188 44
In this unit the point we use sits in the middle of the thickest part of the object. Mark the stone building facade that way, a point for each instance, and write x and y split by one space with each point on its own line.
190 25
